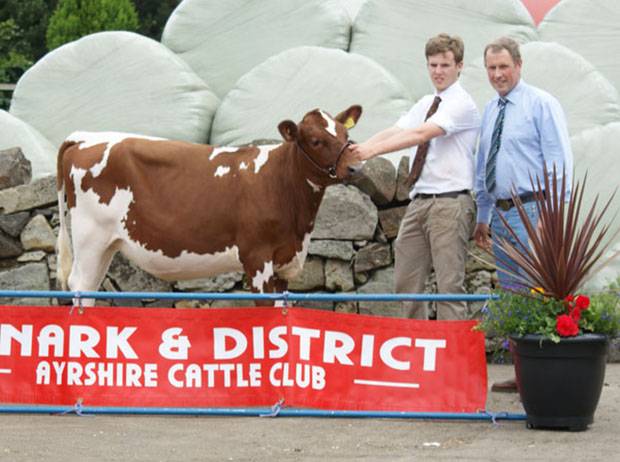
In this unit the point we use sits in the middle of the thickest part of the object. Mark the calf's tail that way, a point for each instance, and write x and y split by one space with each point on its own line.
64 256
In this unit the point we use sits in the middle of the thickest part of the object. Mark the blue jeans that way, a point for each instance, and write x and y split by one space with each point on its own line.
498 230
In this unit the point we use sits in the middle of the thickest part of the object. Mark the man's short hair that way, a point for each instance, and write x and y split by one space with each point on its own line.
504 43
443 43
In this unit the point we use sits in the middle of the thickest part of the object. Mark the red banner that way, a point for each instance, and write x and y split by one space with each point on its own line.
239 357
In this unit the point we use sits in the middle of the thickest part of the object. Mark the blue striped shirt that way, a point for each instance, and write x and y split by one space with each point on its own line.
534 133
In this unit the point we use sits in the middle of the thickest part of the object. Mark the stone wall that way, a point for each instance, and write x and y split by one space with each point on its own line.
351 248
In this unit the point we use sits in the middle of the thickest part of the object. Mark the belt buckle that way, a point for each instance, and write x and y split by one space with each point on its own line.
504 204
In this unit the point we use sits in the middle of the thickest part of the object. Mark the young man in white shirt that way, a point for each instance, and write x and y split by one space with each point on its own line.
440 131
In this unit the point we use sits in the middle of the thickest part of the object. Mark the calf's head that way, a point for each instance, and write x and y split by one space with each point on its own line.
324 141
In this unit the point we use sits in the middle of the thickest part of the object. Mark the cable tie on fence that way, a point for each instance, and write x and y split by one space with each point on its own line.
80 306
275 409
285 294
77 409
494 415
485 306
76 296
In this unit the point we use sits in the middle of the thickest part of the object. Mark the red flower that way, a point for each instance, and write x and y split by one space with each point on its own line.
582 302
566 326
569 298
575 314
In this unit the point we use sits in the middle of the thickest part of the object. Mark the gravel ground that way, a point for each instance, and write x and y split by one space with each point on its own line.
147 438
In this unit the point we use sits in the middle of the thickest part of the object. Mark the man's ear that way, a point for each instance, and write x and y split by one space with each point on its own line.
350 117
288 130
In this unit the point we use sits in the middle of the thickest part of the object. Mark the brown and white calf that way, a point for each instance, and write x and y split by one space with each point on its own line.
181 211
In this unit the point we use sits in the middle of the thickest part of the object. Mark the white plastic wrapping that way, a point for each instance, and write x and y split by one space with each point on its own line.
589 28
116 81
352 7
299 80
394 33
36 148
596 153
223 39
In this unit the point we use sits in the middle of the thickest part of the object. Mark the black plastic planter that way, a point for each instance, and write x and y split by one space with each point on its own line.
560 383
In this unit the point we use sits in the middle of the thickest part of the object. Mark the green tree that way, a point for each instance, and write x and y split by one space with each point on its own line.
153 15
31 17
14 60
73 19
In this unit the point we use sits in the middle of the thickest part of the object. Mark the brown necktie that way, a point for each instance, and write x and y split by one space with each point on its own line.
420 157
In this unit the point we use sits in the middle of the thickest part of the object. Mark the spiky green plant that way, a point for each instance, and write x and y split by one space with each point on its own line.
564 248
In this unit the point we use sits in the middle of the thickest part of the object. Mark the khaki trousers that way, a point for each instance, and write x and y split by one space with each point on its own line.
434 233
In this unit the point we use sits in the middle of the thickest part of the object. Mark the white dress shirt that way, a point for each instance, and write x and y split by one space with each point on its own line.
449 163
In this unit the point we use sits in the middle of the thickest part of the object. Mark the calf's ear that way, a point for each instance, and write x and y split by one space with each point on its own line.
350 117
288 130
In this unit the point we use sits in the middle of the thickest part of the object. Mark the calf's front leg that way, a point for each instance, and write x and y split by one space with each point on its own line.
264 280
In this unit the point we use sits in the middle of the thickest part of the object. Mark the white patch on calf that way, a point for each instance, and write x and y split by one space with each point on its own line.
316 188
331 125
262 277
94 233
90 139
243 166
89 211
263 156
218 151
221 171
188 265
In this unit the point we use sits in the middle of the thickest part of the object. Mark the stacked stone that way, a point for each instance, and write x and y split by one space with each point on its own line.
352 247
351 251
28 215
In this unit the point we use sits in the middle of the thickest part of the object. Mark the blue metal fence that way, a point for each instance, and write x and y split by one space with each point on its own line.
286 296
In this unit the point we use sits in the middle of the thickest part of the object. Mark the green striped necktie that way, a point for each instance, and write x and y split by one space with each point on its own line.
496 141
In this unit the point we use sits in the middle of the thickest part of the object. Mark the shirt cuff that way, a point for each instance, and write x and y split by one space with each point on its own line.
484 206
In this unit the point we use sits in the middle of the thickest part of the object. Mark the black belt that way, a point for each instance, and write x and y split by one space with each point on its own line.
507 204
451 194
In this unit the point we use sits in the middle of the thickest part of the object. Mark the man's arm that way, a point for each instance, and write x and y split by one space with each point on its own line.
395 139
484 201
383 135
484 205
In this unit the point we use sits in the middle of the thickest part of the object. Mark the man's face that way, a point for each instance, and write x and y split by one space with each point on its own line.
443 70
503 72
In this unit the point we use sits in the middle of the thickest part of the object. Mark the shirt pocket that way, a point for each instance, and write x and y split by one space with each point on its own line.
520 132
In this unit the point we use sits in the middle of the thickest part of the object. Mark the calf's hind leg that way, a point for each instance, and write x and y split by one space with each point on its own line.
90 265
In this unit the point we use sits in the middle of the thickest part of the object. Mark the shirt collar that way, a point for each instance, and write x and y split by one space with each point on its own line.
455 87
515 94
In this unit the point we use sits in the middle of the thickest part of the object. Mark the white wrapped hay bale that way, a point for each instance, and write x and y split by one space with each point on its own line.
37 149
394 33
352 7
589 28
596 153
114 81
299 80
223 39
